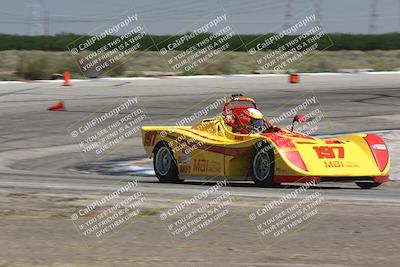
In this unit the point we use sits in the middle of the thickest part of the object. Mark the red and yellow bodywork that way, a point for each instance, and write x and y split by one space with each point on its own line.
211 149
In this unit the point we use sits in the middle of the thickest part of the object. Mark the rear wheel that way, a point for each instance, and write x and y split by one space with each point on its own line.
263 166
164 164
367 185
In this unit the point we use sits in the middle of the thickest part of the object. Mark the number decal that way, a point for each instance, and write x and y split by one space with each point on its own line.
327 152
340 150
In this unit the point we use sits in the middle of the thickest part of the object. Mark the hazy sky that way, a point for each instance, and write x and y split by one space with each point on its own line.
174 16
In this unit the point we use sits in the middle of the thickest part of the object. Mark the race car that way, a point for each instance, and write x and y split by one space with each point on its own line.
240 144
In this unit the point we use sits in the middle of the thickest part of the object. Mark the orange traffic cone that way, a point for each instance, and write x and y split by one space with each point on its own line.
67 77
57 106
294 78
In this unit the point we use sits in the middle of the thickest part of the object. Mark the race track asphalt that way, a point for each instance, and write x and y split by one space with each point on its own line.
36 150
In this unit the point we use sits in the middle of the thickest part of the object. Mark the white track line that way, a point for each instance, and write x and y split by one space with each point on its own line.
206 77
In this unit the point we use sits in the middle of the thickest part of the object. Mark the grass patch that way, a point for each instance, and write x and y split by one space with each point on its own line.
18 65
149 212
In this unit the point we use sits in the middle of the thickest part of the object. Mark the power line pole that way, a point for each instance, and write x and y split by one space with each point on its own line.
373 17
399 13
288 12
317 9
46 22
36 26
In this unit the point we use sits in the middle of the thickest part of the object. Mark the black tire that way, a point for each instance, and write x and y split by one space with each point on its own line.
167 170
367 185
262 166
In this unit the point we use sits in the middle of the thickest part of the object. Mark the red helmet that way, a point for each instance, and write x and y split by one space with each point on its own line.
251 120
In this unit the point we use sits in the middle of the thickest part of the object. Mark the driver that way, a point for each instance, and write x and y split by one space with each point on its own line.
252 120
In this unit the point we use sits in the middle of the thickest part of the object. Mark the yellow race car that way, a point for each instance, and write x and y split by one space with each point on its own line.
240 144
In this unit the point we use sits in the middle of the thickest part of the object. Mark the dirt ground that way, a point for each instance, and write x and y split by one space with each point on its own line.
37 230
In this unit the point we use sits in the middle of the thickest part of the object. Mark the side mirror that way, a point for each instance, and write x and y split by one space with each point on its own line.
298 119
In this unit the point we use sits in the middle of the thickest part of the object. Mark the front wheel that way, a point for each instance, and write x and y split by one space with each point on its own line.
263 166
367 185
164 164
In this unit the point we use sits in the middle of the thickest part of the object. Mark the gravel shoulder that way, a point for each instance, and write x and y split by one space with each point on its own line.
37 231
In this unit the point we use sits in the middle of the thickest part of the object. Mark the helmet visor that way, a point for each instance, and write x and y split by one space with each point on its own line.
256 126
257 123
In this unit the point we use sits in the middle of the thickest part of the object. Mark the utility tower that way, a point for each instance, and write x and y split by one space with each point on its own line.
288 12
373 17
46 22
317 10
37 20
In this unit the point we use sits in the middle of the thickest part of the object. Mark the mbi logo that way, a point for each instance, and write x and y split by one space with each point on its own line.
333 164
